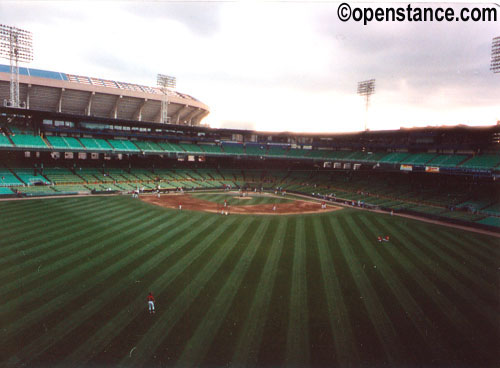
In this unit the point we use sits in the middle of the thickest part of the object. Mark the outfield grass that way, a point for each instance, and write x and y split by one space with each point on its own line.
311 290
233 199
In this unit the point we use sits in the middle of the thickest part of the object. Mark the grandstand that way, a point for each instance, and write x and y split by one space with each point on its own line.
71 94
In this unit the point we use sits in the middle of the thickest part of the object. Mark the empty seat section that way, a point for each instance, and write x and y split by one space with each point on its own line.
36 190
233 148
447 160
28 141
255 150
4 141
279 151
95 144
73 143
57 142
211 148
5 191
123 145
394 157
190 148
170 147
482 162
61 176
30 177
70 189
418 159
7 178
93 175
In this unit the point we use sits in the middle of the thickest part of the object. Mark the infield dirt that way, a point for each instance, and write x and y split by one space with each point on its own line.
192 203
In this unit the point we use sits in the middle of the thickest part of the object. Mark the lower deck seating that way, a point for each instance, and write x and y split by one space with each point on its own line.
30 177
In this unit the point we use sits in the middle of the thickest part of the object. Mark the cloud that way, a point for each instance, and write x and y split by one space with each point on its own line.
201 18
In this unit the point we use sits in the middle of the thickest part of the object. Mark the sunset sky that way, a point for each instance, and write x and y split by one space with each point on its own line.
275 66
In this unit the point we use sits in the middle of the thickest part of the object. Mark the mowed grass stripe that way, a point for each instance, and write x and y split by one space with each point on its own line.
76 316
487 245
141 264
473 253
34 299
224 343
217 246
321 344
180 265
381 321
249 340
54 213
61 291
429 278
346 353
34 243
178 339
151 279
29 233
175 282
66 254
427 339
13 211
406 335
200 342
430 300
460 264
272 350
452 273
64 244
297 349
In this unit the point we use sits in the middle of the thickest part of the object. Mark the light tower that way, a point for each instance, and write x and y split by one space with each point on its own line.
495 55
17 46
165 82
366 88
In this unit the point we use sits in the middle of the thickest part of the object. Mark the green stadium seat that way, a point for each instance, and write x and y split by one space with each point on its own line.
418 159
233 148
28 141
4 141
211 148
191 148
394 157
28 176
6 191
7 178
447 160
255 150
95 144
482 162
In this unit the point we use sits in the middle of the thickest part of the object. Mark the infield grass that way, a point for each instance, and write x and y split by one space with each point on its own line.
306 290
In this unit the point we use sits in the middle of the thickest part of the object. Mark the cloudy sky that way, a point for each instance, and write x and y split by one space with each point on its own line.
275 66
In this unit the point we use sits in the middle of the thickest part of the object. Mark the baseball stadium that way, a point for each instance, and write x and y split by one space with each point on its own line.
365 249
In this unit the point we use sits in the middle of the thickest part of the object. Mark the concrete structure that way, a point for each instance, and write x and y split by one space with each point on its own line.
87 96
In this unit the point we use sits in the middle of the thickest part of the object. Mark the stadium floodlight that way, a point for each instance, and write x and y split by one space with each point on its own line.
366 88
165 82
16 45
495 55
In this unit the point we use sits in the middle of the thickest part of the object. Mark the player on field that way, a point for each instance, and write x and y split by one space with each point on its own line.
151 303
